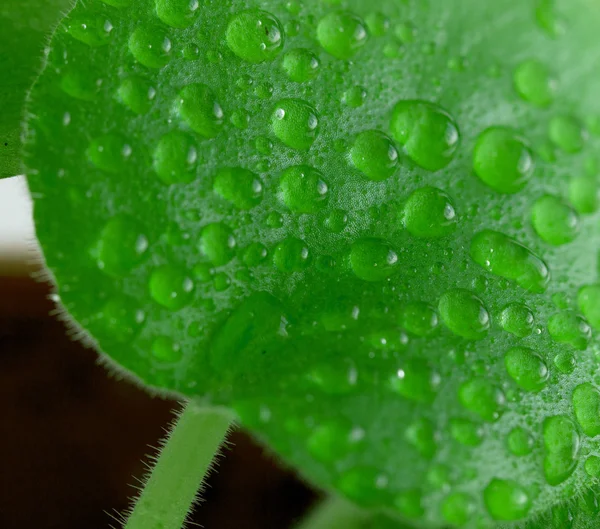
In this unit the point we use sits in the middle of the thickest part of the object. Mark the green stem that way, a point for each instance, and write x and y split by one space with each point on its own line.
186 457
335 513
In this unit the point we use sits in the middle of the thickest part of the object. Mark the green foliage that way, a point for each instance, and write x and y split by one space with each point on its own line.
379 250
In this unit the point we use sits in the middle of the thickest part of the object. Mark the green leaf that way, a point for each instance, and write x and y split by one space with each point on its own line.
25 27
352 244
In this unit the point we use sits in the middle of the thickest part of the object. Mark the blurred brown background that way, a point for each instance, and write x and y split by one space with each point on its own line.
72 440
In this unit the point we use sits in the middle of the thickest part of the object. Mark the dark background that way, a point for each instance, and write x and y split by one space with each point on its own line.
73 440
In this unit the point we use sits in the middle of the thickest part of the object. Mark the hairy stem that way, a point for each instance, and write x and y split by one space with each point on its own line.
335 513
186 457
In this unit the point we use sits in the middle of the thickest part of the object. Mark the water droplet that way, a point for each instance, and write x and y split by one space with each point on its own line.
421 435
509 259
295 123
150 46
506 500
177 13
586 404
121 247
565 362
336 377
171 287
570 328
419 318
517 319
549 20
415 380
503 160
378 24
255 254
567 133
482 398
137 94
342 34
303 189
291 255
255 36
217 243
409 503
79 85
239 186
464 314
365 486
199 108
519 442
588 299
526 368
554 221
174 158
301 65
375 155
336 221
429 213
466 432
534 83
405 32
165 351
584 194
109 153
120 319
354 97
331 441
274 220
429 134
561 442
93 31
373 259
592 467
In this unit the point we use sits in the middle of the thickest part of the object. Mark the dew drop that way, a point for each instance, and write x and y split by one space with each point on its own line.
255 254
588 299
342 34
419 318
255 36
177 13
377 24
526 368
174 158
570 328
457 508
165 351
150 46
336 377
534 83
584 194
482 398
217 243
375 155
291 255
586 404
137 94
464 314
373 259
171 287
429 134
507 258
421 435
79 85
303 189
592 467
354 97
561 443
567 133
466 432
109 153
301 65
410 504
121 246
565 362
503 160
366 486
429 213
330 441
121 319
295 123
239 186
94 31
198 107
506 500
554 220
519 442
517 319
414 380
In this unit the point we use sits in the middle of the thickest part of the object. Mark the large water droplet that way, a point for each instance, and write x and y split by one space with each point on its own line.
239 186
177 13
150 46
301 65
295 123
561 443
342 34
174 158
171 287
138 94
519 442
217 243
584 194
291 255
419 318
567 133
554 220
505 257
457 508
483 398
526 368
121 247
255 36
199 108
517 319
415 380
586 404
429 213
93 31
570 328
303 189
429 134
421 435
506 500
534 83
109 153
375 155
466 432
588 299
503 160
373 259
464 314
